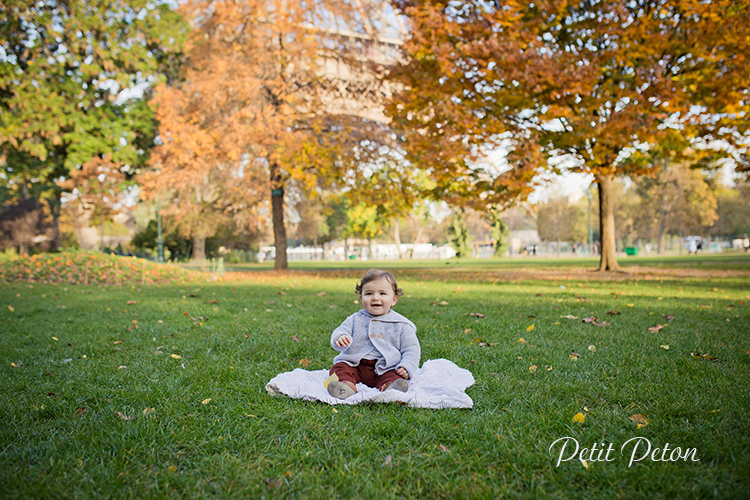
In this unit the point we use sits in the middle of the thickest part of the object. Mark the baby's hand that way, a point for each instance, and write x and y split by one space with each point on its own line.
344 341
401 371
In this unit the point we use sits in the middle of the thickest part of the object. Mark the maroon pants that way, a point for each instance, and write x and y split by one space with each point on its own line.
364 373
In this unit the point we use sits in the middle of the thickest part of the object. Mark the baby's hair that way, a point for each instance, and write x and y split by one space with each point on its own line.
374 275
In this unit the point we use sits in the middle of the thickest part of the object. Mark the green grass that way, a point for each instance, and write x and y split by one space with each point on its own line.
215 432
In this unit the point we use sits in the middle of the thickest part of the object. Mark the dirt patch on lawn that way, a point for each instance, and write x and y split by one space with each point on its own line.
629 273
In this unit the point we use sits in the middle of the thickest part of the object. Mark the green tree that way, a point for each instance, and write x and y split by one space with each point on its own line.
499 232
64 77
458 234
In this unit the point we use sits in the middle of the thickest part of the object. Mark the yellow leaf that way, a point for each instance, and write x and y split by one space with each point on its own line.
592 348
584 463
206 401
13 365
304 362
549 368
531 327
335 410
665 347
172 468
54 338
175 356
579 418
521 340
10 308
332 378
532 368
630 305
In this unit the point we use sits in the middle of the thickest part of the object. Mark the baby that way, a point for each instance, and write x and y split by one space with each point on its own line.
378 347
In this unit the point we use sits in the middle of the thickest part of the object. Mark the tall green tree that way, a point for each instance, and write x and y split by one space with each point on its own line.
590 82
65 71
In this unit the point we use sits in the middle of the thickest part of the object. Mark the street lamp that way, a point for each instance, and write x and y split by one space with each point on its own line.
159 239
591 246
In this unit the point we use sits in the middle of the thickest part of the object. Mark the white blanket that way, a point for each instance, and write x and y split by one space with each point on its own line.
438 384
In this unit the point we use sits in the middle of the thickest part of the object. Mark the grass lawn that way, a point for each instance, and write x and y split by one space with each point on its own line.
157 391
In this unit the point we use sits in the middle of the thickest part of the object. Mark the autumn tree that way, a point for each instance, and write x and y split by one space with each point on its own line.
261 94
95 190
675 199
589 82
559 220
68 79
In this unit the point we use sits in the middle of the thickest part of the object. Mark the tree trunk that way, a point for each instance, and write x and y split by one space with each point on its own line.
277 209
416 240
608 260
662 232
54 207
199 247
397 236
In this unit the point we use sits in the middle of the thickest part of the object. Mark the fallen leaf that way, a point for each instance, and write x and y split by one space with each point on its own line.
669 317
332 378
388 460
532 368
82 411
10 308
122 367
592 348
638 418
445 449
477 315
665 347
131 302
54 338
656 328
569 316
590 319
322 294
549 368
304 362
172 468
124 417
295 338
531 327
574 354
630 305
614 312
282 292
206 401
707 357
521 340
584 463
579 418
148 411
175 356
212 301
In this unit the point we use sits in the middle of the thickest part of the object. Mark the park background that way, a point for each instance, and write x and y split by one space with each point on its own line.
190 190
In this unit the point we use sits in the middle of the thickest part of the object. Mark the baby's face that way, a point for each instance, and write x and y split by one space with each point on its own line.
378 297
